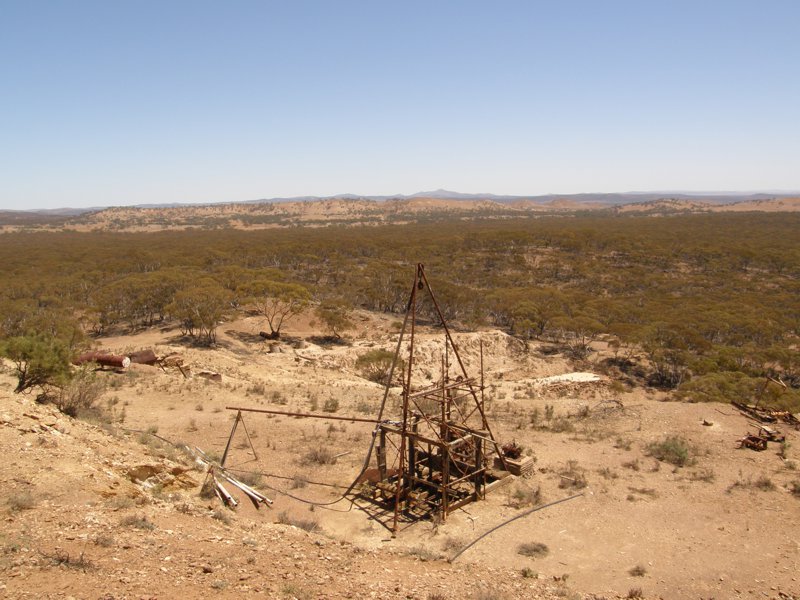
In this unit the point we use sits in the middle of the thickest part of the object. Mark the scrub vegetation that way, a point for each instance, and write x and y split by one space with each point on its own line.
706 304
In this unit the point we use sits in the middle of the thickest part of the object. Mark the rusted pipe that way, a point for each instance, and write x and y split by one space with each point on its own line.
103 359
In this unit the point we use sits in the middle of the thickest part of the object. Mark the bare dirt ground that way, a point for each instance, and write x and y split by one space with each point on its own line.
90 511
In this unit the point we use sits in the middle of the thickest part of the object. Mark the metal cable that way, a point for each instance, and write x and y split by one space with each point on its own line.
512 519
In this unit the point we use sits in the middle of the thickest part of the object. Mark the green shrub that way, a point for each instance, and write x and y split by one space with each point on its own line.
724 387
80 394
376 364
39 361
673 449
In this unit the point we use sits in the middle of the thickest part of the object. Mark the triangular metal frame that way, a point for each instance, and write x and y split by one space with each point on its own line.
442 458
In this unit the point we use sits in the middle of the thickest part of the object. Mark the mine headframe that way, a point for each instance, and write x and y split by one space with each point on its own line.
434 458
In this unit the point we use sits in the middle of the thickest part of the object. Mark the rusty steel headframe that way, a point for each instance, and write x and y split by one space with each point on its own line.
433 458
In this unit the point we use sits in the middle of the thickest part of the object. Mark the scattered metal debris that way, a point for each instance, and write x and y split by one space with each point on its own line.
767 415
217 471
144 357
211 376
759 441
765 433
175 360
753 442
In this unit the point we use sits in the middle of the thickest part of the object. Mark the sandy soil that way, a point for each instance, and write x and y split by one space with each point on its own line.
725 526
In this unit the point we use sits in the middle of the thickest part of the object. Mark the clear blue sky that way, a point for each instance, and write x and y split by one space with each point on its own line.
115 102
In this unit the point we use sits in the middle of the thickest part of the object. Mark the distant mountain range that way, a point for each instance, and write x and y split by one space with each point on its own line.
353 209
608 199
605 199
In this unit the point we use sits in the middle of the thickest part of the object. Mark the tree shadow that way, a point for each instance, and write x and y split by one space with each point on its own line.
190 341
329 341
245 337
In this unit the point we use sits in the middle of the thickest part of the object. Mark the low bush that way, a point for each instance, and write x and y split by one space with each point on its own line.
137 522
637 571
673 449
375 365
319 456
305 524
523 495
533 549
572 476
21 501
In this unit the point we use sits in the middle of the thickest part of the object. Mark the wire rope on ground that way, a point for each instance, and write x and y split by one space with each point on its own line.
512 519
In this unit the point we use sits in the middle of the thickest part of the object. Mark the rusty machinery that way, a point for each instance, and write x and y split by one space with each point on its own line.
433 459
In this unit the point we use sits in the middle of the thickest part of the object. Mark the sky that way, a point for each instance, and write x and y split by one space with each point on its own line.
140 102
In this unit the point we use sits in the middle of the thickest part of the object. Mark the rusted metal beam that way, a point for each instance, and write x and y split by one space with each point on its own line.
297 414
437 389
468 476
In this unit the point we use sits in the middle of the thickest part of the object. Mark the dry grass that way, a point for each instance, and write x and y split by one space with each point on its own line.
137 522
572 476
649 492
762 483
633 465
523 495
705 475
533 549
607 473
623 444
319 456
60 558
21 501
637 571
222 516
305 524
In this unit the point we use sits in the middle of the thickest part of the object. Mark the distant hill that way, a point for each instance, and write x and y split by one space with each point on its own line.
351 209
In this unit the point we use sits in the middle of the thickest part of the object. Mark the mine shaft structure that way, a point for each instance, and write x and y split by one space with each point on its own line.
434 458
